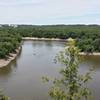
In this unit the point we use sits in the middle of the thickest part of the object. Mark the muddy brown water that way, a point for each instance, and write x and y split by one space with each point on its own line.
21 79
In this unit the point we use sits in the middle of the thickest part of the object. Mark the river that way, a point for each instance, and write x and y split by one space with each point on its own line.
21 79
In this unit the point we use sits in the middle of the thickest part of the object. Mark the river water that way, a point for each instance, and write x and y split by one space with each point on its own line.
21 80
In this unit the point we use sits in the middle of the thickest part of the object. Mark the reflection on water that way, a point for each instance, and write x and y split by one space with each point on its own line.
21 79
93 60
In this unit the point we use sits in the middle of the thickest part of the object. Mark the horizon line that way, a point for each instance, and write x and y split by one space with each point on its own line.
46 24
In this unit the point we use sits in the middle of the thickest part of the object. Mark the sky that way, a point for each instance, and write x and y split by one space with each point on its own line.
48 12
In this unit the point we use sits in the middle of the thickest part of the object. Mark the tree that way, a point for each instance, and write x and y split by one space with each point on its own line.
72 85
9 42
96 44
89 35
86 45
3 97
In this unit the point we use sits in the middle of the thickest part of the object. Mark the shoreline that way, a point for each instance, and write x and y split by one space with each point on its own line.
43 39
12 56
57 39
89 54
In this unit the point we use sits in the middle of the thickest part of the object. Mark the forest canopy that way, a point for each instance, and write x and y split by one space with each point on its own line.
9 42
87 36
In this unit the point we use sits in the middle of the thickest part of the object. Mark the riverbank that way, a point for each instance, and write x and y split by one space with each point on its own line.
43 39
12 56
57 39
90 54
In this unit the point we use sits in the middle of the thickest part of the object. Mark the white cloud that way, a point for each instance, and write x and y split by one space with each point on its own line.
49 11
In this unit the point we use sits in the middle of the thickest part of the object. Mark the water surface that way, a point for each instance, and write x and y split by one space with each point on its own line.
21 80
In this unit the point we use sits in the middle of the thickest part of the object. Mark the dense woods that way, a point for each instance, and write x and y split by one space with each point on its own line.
9 42
87 36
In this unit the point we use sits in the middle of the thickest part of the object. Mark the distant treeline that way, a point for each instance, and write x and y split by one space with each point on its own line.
87 36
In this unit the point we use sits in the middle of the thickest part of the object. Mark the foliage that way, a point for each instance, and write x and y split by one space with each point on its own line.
3 97
72 85
81 33
8 43
87 36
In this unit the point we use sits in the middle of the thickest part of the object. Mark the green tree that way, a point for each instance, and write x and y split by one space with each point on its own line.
72 85
3 97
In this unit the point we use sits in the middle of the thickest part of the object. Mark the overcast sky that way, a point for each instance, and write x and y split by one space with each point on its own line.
49 12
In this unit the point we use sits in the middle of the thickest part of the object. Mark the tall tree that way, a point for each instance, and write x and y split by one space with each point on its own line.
72 85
